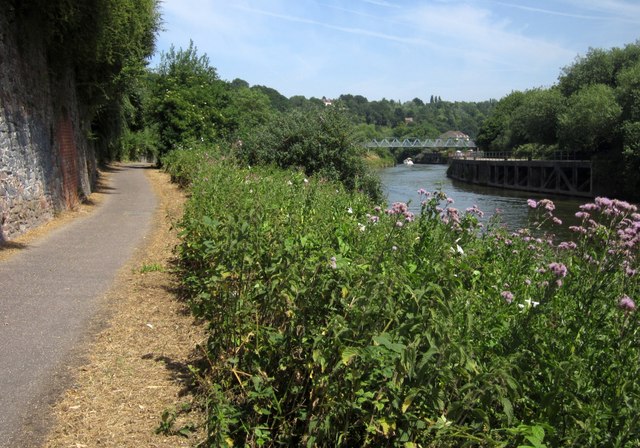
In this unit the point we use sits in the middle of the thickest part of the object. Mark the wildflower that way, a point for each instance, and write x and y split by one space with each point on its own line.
603 202
394 248
350 210
558 283
422 192
583 215
374 219
626 303
624 206
475 211
567 245
527 282
547 204
507 296
557 221
578 229
558 269
333 263
377 209
450 201
289 183
362 227
531 203
590 207
306 181
399 224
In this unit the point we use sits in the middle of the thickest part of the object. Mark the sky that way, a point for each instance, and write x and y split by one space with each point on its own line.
471 50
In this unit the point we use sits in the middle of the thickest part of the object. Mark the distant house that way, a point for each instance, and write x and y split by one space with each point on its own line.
327 101
455 135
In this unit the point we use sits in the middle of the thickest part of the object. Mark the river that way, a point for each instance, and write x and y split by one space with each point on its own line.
402 182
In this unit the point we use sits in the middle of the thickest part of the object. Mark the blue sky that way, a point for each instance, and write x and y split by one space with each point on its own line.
470 50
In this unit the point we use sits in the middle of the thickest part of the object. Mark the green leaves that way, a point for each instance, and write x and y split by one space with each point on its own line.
322 332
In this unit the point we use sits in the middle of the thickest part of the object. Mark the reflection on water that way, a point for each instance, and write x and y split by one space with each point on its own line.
401 184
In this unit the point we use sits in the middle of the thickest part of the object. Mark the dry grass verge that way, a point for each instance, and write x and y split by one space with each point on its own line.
137 367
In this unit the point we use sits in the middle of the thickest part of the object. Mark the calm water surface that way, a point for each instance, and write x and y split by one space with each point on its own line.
401 184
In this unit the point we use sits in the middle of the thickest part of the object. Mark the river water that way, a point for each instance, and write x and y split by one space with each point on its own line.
402 182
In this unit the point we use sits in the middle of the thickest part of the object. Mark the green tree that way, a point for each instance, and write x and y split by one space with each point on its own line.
188 100
246 109
536 119
319 141
591 119
497 132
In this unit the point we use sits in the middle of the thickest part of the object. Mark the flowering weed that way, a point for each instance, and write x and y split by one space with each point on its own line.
333 322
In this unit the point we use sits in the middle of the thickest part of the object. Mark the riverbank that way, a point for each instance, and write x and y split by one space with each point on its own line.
335 321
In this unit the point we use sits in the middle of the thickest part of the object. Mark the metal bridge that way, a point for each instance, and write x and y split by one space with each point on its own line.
435 143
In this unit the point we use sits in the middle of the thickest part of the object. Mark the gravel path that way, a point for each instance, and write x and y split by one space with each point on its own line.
50 292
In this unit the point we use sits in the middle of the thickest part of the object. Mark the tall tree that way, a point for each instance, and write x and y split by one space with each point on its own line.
188 100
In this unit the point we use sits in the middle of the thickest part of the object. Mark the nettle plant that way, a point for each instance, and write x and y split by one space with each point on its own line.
334 321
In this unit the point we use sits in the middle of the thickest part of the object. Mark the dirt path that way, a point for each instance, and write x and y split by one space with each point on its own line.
132 365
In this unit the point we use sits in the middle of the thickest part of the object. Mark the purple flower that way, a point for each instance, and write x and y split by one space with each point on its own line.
531 203
507 295
422 192
626 303
582 215
567 245
558 269
547 204
557 221
604 202
578 229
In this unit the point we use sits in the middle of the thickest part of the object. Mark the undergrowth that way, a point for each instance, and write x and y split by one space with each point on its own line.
335 321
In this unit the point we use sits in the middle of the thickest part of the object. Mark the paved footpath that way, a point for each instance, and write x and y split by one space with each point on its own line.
49 293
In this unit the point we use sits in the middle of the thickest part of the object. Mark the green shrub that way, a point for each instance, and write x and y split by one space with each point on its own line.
336 322
318 141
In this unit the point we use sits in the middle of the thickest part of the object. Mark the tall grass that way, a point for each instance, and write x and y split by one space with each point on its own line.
335 321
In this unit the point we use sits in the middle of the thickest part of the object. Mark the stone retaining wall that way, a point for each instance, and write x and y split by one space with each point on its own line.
45 163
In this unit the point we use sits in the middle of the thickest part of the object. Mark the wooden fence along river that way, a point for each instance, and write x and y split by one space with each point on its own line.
564 177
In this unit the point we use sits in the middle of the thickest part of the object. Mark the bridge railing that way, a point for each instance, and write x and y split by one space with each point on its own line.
418 143
508 155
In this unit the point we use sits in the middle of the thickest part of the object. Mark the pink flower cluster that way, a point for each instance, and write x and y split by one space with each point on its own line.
558 269
626 303
401 208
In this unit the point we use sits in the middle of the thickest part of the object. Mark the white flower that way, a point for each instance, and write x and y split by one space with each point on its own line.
350 211
362 227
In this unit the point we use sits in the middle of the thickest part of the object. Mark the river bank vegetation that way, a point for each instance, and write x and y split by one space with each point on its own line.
593 112
335 320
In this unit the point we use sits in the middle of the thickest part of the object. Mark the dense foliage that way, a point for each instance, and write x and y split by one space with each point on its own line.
105 44
593 111
318 141
335 322
389 118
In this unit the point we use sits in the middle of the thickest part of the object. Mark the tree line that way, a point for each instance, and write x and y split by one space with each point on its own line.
593 111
